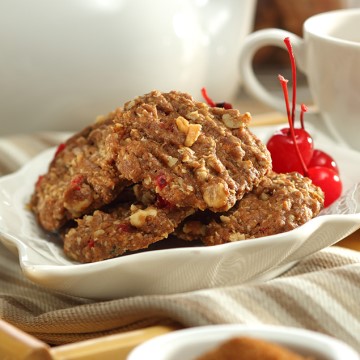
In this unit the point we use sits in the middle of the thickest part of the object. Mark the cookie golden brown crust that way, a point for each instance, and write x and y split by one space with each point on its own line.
81 178
280 203
125 228
177 147
189 153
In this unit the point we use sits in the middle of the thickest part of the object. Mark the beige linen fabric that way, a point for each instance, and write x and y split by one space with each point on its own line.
320 293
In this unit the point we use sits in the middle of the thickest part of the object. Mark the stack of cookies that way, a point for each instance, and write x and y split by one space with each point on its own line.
165 164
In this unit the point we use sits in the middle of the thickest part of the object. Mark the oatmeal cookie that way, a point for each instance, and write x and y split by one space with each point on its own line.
80 178
281 202
124 228
191 154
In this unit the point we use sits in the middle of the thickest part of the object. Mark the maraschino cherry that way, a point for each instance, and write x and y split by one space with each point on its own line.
281 144
324 177
315 164
328 181
320 158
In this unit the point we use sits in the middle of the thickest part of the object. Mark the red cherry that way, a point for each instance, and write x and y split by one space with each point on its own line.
285 145
328 180
283 153
320 158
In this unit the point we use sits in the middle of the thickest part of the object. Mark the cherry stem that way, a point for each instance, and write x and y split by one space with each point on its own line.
303 110
293 72
207 98
283 83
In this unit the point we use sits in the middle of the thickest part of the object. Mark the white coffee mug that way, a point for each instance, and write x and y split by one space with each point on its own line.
63 62
329 55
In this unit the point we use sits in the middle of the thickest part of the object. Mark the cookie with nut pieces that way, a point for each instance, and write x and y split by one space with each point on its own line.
174 155
191 154
80 178
121 228
280 203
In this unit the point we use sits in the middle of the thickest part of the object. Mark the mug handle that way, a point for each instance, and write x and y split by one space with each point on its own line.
253 43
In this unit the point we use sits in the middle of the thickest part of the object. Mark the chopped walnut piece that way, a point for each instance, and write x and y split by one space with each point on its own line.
171 161
182 124
187 154
224 219
194 228
235 122
215 195
135 134
193 133
138 218
236 237
193 115
98 233
202 173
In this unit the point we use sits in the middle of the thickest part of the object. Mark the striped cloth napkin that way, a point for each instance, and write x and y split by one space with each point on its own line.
320 293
